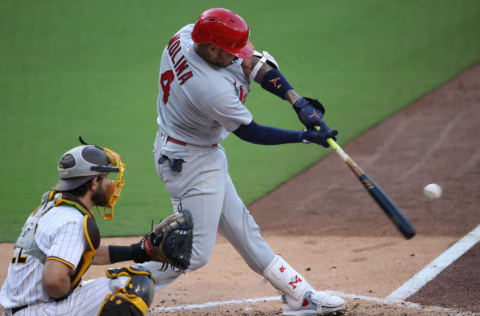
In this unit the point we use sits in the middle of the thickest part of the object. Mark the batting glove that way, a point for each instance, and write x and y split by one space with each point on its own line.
319 136
310 112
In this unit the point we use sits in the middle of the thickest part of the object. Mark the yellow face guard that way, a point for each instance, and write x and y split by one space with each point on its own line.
115 187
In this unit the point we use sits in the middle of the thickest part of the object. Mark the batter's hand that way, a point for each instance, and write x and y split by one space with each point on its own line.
310 112
319 136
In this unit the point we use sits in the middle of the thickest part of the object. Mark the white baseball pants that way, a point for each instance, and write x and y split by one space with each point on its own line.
84 301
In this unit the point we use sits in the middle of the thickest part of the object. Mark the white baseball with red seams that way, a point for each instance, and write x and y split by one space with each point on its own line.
432 190
198 105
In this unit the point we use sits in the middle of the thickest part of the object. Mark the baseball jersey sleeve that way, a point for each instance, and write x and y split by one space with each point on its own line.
68 245
227 110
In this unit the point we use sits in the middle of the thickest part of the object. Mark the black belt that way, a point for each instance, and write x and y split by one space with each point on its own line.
19 308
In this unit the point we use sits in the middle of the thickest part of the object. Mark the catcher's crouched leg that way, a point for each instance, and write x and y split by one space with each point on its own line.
132 292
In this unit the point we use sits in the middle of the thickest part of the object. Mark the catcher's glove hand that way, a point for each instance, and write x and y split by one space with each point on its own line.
170 241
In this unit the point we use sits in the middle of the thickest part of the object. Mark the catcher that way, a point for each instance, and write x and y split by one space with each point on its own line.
60 240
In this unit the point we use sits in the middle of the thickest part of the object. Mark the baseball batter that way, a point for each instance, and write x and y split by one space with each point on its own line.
60 240
205 75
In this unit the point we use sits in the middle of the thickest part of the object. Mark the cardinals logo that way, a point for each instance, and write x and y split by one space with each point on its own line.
241 92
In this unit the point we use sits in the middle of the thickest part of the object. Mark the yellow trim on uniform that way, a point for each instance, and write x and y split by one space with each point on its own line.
87 255
89 240
107 297
129 268
139 303
62 261
128 274
87 261
135 301
74 204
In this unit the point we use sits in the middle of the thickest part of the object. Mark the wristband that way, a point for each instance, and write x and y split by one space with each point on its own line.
124 253
275 82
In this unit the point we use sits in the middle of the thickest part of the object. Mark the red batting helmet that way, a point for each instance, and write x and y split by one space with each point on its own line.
224 29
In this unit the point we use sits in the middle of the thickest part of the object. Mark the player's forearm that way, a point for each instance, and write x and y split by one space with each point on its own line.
269 77
113 254
292 97
267 135
102 256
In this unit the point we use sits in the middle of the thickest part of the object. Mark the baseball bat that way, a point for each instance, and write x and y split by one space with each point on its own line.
383 200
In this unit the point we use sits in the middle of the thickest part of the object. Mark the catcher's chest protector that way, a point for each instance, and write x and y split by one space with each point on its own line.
52 199
92 234
26 240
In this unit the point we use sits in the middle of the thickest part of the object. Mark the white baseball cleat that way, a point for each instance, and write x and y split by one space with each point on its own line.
316 303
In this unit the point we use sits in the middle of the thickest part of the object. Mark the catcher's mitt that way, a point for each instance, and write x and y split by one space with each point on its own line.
170 241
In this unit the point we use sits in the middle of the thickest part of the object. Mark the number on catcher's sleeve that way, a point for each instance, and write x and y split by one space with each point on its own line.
19 259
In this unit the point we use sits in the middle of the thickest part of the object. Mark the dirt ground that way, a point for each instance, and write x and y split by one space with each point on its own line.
325 224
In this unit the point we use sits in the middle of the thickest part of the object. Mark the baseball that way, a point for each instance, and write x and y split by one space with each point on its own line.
432 190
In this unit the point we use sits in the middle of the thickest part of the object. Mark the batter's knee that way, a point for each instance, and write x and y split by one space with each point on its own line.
132 292
198 262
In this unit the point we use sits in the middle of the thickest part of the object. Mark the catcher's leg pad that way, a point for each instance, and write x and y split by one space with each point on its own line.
132 292
284 278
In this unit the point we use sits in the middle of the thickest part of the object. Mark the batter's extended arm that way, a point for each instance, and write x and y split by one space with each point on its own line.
249 65
264 69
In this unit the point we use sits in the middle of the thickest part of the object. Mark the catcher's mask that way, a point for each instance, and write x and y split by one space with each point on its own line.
83 163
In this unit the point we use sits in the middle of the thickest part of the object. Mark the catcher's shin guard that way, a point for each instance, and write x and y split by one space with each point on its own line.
284 278
132 292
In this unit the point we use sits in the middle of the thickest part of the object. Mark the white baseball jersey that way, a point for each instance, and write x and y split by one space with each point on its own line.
60 236
199 103
66 233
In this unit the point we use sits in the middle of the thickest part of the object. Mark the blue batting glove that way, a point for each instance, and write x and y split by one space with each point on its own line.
310 112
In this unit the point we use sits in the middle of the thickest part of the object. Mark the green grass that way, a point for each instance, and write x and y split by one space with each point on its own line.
90 68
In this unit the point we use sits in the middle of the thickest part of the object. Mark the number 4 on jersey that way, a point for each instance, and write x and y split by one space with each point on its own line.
165 80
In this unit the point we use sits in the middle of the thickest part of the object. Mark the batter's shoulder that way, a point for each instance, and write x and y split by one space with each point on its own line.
207 87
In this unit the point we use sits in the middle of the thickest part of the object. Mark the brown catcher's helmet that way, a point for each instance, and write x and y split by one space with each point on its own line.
224 29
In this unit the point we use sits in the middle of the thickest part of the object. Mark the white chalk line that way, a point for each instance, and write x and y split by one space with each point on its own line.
436 266
398 303
396 298
215 304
